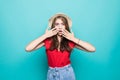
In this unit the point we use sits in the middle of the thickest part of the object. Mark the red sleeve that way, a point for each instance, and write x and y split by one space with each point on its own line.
47 43
72 44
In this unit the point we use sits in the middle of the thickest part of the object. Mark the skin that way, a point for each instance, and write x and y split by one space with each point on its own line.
60 31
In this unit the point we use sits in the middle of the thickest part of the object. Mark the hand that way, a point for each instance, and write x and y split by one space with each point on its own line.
67 34
51 32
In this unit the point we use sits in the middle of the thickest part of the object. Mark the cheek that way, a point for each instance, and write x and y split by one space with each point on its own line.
63 27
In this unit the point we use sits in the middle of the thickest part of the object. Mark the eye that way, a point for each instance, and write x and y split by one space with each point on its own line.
56 24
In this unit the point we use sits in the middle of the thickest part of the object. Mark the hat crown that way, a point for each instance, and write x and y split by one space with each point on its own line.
59 14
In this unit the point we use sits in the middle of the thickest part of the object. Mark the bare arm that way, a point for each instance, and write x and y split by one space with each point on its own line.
39 46
85 46
37 43
80 44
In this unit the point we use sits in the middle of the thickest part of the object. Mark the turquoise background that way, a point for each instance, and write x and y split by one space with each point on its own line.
95 21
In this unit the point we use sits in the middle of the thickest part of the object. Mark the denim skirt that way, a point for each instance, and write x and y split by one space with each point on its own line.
61 73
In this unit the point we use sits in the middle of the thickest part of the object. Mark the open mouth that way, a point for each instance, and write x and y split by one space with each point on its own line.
60 31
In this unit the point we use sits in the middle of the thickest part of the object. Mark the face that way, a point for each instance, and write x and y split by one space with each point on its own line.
59 26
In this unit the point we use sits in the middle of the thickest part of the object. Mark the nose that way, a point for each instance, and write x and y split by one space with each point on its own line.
60 26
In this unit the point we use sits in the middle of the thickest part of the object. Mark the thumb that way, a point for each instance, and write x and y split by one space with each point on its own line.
47 29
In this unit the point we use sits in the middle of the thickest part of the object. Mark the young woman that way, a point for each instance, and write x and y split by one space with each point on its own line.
59 42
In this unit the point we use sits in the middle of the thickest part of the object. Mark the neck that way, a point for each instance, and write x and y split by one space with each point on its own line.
59 38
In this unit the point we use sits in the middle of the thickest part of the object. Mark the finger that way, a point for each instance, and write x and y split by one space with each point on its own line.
53 29
65 30
64 35
72 33
55 32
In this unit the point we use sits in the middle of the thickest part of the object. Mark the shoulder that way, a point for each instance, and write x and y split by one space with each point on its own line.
47 40
71 44
47 43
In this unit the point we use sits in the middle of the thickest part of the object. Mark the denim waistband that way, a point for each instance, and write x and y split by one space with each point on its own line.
59 68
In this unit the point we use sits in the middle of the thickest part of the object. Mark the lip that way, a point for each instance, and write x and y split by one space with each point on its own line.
60 31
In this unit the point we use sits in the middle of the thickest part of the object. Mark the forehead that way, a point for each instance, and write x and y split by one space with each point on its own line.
58 20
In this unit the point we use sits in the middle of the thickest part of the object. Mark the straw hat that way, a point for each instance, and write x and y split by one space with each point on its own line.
59 14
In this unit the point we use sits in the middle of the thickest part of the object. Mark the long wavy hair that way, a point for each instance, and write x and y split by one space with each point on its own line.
64 44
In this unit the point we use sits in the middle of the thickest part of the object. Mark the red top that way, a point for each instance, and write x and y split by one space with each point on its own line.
57 58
